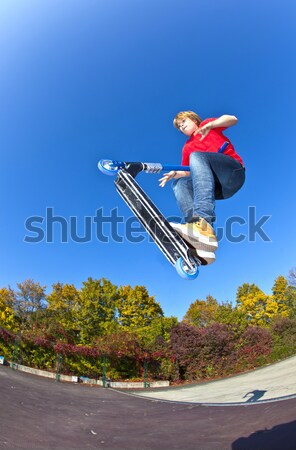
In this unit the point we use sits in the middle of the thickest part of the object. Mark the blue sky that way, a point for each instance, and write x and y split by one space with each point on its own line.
82 80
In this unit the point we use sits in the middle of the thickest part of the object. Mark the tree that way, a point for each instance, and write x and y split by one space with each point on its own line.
124 354
136 308
279 294
159 327
7 302
260 309
284 333
291 292
291 300
202 313
292 277
63 303
251 302
232 316
96 314
284 294
245 290
30 301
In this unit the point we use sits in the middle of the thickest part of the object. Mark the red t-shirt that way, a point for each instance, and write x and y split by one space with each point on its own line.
211 143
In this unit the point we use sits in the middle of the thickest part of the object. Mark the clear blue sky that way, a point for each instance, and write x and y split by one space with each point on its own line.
84 80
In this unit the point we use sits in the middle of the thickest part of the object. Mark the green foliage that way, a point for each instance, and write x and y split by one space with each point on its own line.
231 316
96 312
62 303
283 330
37 356
202 313
159 327
80 365
136 308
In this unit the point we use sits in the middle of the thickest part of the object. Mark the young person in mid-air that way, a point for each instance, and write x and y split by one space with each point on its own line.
216 172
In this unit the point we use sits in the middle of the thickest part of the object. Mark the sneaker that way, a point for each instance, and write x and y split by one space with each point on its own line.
199 234
205 258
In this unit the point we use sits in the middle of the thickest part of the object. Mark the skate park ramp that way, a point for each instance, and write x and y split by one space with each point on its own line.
40 413
273 382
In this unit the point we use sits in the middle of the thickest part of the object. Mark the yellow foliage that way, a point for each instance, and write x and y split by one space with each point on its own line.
7 317
260 308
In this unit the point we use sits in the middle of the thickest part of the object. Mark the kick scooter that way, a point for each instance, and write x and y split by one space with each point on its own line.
175 249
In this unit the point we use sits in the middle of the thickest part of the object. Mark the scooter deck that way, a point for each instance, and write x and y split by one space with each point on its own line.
167 239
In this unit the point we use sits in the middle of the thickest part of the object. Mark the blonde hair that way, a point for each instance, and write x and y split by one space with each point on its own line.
183 115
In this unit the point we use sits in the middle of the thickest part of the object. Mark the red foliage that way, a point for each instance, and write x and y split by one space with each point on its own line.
7 336
255 342
198 350
283 326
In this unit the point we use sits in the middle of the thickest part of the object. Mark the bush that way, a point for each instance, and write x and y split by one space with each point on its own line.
256 343
284 336
283 326
202 353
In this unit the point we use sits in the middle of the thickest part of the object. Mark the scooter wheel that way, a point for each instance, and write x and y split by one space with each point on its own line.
108 167
184 271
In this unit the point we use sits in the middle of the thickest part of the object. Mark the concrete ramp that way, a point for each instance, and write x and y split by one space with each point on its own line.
273 382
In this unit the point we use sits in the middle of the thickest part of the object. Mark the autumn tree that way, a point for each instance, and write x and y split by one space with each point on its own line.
246 289
158 328
202 313
291 292
30 301
96 312
259 308
251 301
232 316
279 297
292 277
7 303
136 308
62 307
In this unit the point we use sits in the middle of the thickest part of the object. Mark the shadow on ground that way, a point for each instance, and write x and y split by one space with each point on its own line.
279 437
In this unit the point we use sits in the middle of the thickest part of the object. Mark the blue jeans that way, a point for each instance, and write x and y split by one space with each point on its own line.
213 176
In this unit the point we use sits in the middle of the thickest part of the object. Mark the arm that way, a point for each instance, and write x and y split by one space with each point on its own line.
224 121
173 174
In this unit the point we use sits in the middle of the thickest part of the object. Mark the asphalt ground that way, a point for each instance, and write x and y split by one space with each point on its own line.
39 413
